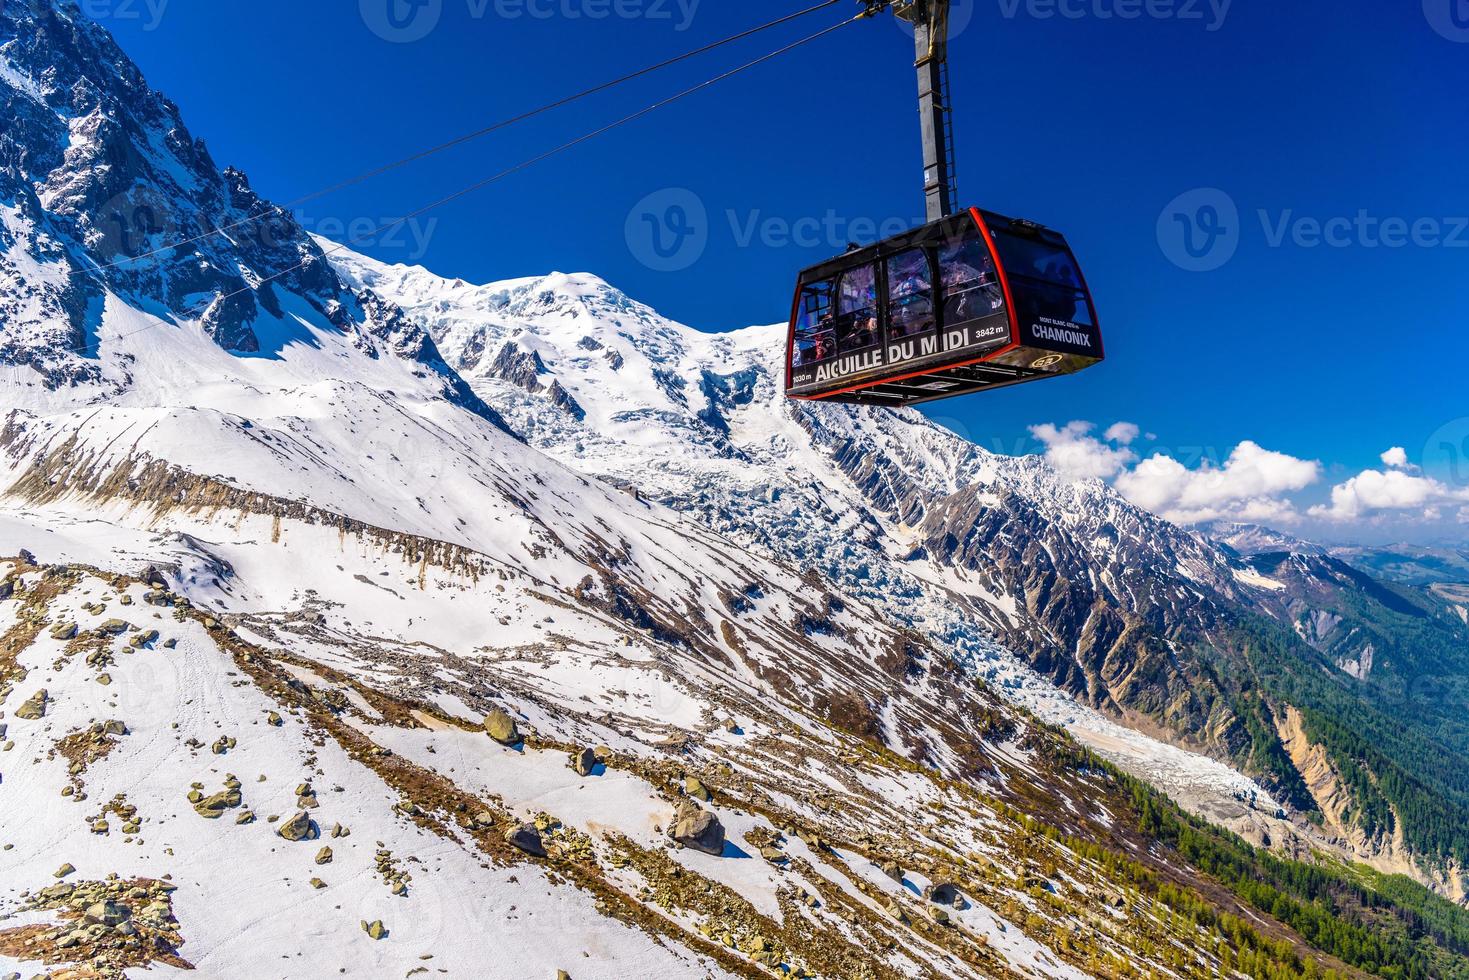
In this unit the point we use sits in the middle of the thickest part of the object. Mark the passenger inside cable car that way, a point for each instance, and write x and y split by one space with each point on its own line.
966 303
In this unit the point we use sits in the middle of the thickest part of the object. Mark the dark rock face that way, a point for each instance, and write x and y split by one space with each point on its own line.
1118 607
123 180
104 190
518 366
524 369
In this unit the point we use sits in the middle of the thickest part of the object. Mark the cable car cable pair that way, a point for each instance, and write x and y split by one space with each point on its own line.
477 134
525 164
965 303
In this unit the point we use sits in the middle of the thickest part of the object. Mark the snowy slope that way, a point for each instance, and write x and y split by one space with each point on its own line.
241 888
698 421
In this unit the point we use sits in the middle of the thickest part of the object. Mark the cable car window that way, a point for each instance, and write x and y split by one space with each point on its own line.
910 294
971 287
1050 272
856 317
815 340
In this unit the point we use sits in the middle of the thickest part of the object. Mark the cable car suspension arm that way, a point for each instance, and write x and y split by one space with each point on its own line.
930 20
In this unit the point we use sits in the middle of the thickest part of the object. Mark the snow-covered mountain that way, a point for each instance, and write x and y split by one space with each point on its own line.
1256 539
988 554
1079 605
356 620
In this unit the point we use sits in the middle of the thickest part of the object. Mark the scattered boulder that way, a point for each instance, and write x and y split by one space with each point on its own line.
502 728
374 929
526 838
324 856
697 790
298 828
676 744
698 830
944 893
584 762
64 631
108 913
34 707
939 916
892 869
213 807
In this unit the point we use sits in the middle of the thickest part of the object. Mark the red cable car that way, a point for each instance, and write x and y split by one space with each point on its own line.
965 303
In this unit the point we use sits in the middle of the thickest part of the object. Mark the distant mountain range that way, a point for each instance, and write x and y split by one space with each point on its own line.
1403 563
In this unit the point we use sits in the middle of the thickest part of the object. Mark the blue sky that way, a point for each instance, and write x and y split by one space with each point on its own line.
1311 120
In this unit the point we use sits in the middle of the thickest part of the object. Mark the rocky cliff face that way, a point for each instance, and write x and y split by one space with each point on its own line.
107 198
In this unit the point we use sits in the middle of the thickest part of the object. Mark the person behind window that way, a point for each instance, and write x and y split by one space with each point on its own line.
911 295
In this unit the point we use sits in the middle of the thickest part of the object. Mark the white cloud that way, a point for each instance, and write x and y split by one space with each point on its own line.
1396 457
1250 486
1373 492
1078 455
1254 484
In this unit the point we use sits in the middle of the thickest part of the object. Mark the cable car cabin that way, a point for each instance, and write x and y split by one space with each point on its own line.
971 302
